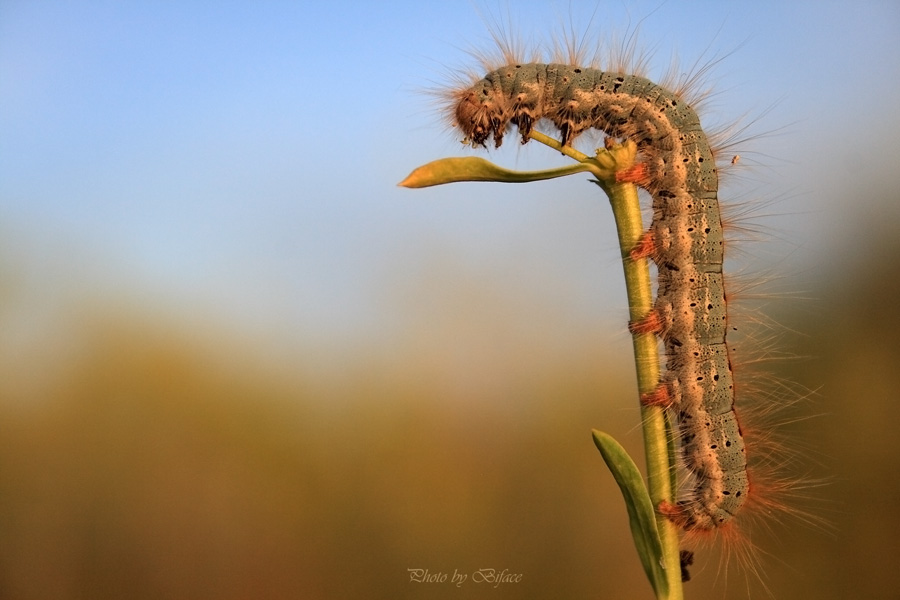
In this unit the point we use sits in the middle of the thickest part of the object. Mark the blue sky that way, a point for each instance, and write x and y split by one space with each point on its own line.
239 161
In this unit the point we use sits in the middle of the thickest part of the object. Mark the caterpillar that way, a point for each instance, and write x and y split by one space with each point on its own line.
684 240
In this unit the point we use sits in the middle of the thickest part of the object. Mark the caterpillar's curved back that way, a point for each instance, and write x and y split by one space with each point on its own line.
685 241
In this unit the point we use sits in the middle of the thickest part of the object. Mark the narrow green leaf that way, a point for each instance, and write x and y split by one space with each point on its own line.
473 168
641 515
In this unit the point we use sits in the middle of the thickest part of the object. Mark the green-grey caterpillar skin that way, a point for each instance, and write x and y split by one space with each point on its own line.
687 247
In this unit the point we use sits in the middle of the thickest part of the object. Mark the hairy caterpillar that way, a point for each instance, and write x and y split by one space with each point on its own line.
684 240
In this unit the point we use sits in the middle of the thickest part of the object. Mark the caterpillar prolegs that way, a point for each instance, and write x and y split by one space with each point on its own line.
684 240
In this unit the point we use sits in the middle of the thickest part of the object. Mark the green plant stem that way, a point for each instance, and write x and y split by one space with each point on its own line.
627 212
567 150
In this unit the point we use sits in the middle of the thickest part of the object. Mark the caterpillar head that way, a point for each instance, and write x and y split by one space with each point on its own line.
480 115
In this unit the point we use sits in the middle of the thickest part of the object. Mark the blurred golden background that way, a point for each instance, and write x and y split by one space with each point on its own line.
145 456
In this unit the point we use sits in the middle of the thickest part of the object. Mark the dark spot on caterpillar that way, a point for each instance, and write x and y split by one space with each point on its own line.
713 446
685 559
578 70
715 377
